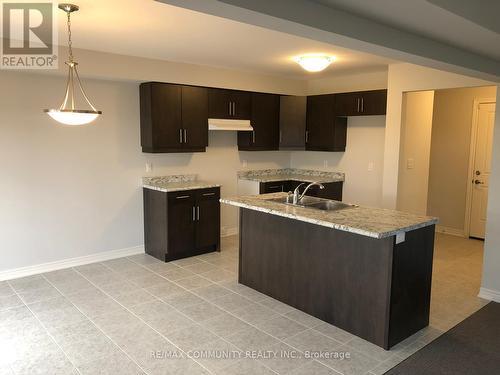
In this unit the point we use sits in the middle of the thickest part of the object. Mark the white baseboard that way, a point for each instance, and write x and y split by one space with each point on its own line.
226 232
71 262
450 231
489 294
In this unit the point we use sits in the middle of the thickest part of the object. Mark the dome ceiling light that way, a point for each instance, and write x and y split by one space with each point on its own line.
314 63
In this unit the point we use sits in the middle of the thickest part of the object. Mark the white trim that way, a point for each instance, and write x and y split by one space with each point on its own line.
71 262
489 294
226 232
472 157
450 231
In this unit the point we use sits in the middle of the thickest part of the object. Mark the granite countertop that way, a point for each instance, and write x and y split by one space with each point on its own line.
176 183
366 221
306 175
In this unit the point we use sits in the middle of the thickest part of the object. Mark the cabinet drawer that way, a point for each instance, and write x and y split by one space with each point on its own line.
272 187
182 195
211 193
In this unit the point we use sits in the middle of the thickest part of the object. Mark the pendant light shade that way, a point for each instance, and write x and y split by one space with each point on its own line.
67 113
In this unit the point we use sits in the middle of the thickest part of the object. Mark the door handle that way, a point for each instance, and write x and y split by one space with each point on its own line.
362 104
307 136
182 197
198 213
230 109
185 136
194 213
477 182
180 135
281 136
253 136
357 103
234 108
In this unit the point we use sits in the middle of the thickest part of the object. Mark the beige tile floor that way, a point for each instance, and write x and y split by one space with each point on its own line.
137 315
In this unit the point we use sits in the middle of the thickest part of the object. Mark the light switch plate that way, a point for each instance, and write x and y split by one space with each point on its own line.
149 166
410 163
371 165
244 163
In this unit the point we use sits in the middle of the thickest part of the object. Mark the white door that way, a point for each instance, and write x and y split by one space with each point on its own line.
482 169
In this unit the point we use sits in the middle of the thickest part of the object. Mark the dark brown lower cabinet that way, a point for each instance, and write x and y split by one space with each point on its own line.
332 190
376 289
181 224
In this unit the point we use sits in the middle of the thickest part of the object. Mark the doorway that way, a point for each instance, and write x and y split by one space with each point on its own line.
480 167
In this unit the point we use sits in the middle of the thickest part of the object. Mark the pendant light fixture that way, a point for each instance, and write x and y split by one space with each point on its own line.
67 113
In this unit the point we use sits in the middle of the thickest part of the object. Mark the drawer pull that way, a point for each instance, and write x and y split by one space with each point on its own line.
208 194
183 197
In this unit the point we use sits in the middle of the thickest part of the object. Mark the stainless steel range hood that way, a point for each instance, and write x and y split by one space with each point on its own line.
224 124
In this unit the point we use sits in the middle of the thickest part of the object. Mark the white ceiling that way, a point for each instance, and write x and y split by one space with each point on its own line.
469 24
150 29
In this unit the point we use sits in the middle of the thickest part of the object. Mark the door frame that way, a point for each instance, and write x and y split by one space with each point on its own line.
472 159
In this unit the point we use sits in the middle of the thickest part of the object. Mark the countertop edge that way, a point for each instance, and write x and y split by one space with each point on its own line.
183 188
345 228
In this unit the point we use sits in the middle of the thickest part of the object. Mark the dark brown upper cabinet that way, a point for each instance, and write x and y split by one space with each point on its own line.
174 118
229 104
292 129
362 103
325 130
265 115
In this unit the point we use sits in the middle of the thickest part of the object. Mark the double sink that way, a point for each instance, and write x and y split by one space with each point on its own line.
314 203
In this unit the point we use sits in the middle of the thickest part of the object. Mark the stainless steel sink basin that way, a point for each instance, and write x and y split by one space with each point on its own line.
315 203
330 205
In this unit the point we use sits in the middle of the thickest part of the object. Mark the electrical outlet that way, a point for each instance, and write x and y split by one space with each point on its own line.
149 166
325 163
410 163
244 163
371 166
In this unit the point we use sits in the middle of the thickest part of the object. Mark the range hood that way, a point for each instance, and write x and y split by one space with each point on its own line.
224 124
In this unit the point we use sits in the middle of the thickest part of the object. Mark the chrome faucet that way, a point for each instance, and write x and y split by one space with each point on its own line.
296 193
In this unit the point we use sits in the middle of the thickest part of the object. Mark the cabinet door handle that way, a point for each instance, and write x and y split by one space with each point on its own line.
307 136
357 104
362 104
182 197
234 108
185 136
180 135
208 194
194 213
230 108
253 136
198 213
281 137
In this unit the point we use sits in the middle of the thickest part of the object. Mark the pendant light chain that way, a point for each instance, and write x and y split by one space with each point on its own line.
70 42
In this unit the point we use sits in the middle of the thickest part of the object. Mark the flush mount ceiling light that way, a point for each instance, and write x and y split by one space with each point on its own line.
67 113
314 63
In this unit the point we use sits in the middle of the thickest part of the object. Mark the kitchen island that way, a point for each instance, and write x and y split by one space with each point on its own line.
365 270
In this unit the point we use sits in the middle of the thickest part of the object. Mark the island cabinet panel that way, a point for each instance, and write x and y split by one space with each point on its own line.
181 224
229 104
343 278
292 135
332 190
362 103
325 130
265 116
174 118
